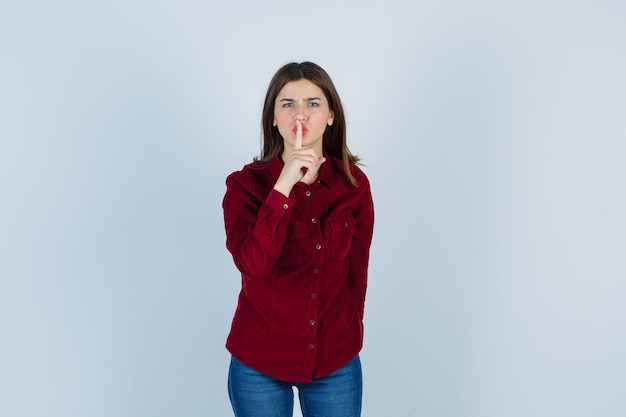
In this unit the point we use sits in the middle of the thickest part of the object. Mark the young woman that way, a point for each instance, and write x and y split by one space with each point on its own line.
299 223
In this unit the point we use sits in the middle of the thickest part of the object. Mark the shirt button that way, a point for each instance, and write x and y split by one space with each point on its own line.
312 322
315 270
318 246
313 295
313 220
285 206
308 194
311 346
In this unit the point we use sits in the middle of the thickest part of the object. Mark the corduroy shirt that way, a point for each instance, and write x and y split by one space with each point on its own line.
303 261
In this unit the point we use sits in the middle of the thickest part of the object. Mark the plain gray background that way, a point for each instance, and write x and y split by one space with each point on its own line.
494 136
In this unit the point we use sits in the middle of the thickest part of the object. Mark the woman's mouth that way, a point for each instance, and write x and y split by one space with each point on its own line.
304 130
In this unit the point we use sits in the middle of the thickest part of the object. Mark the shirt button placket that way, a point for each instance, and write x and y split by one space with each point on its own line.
312 319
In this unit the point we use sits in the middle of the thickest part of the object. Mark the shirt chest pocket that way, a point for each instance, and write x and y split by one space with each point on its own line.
341 230
297 248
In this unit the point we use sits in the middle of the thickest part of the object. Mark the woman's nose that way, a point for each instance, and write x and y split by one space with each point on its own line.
301 113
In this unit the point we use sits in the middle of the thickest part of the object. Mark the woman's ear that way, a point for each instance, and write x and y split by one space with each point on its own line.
331 118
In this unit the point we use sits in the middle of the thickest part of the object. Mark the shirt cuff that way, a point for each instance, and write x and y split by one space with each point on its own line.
277 201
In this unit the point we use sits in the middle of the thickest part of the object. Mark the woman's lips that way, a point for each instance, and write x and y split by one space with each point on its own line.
304 130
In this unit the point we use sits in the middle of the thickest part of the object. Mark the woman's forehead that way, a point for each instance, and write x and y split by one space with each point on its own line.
301 88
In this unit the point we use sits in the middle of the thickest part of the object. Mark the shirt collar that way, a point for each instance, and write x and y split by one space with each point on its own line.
326 176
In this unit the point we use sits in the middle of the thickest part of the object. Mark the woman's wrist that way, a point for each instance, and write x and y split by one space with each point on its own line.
282 188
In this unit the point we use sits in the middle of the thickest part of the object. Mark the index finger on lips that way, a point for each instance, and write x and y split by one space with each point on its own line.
298 143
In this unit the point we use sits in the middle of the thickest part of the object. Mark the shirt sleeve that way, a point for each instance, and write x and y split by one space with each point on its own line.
255 230
358 255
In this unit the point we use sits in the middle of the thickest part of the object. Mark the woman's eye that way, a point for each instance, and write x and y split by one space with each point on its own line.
314 104
285 105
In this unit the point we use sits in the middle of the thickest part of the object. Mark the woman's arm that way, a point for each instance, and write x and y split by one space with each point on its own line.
358 255
255 230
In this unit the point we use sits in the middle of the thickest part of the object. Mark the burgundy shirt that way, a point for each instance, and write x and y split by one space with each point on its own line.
303 263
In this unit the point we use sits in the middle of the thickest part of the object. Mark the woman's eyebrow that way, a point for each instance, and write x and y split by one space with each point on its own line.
305 99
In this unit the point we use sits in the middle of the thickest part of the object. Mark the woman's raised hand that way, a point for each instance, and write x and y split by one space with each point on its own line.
301 164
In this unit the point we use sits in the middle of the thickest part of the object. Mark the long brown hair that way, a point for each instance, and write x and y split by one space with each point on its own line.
334 138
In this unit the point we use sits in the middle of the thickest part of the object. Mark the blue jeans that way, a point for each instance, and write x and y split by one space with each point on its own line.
254 394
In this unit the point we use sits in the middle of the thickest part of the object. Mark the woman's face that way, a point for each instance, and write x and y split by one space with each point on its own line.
302 100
